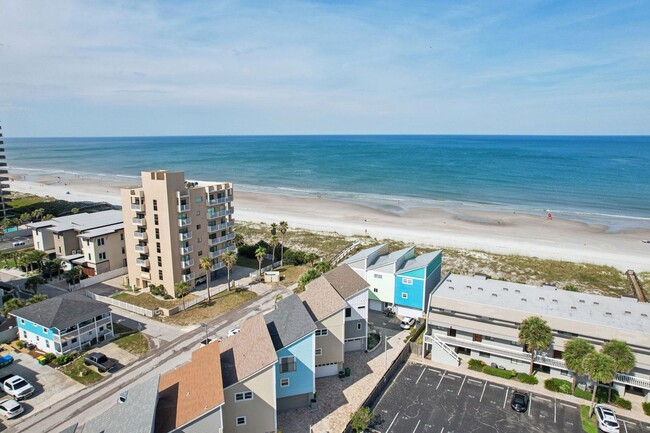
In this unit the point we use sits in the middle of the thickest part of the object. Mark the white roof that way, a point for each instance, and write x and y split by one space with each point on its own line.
363 254
81 221
101 231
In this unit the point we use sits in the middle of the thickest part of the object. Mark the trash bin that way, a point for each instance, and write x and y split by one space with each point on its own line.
41 360
347 372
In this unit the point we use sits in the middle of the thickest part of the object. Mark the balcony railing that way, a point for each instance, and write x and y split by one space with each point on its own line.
217 266
216 241
216 227
187 250
222 200
142 249
139 222
137 207
142 262
183 207
220 214
188 277
145 275
184 222
187 263
140 235
185 236
218 253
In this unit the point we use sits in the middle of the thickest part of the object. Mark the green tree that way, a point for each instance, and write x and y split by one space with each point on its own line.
11 305
25 218
206 264
239 240
32 283
324 266
229 258
38 257
274 245
284 226
6 223
311 258
600 368
535 334
360 420
623 357
309 275
575 351
37 214
260 252
274 229
181 289
39 297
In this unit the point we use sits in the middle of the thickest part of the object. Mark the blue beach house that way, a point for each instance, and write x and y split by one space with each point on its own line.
414 281
292 332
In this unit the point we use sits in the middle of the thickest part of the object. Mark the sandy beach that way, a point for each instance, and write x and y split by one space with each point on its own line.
503 233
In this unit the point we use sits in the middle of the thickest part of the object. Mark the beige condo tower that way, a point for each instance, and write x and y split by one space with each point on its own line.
170 224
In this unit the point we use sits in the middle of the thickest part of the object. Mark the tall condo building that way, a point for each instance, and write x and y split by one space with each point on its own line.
171 224
3 178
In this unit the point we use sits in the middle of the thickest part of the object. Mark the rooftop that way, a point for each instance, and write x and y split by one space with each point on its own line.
289 322
390 258
81 221
345 281
247 352
418 262
101 231
321 300
191 390
364 253
63 311
135 415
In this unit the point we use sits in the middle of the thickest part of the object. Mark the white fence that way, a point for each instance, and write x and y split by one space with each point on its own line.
124 305
264 269
97 279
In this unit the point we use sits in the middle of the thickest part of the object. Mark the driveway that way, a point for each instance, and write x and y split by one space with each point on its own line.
159 333
386 325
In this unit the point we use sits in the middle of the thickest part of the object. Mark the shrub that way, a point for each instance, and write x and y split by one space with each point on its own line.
360 419
622 403
505 374
646 408
49 357
62 359
20 344
476 364
527 378
294 258
558 385
157 290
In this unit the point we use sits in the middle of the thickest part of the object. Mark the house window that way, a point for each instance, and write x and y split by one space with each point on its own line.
24 334
375 290
378 276
407 281
121 236
89 256
284 382
243 396
155 205
358 326
45 330
241 420
47 343
321 332
405 295
319 351
102 256
348 312
22 321
100 242
287 364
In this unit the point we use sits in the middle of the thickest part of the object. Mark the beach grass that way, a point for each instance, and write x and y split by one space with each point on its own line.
145 300
221 303
21 203
136 344
76 368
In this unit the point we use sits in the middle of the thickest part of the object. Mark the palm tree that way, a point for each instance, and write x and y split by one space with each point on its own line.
274 244
180 290
56 264
600 368
274 229
38 257
32 283
206 264
229 258
239 240
260 252
311 258
283 231
535 334
39 297
309 275
575 351
623 358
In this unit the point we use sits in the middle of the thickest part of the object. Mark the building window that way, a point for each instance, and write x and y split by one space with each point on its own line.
284 382
22 321
200 253
45 330
405 295
243 396
241 420
100 242
358 326
198 240
47 343
121 236
74 340
24 334
198 199
287 364
89 256
155 205
348 312
160 275
321 332
157 233
319 351
378 276
155 219
123 250
375 290
101 328
198 213
198 226
484 354
159 261
407 281
64 344
102 256
59 250
158 247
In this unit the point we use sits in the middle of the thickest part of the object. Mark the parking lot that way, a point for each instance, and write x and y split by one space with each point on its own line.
425 399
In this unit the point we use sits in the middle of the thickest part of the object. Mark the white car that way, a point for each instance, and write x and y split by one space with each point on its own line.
407 323
606 419
233 331
10 408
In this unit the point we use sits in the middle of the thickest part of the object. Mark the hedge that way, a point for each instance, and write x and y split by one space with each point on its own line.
564 387
646 408
621 402
527 378
505 374
558 385
476 364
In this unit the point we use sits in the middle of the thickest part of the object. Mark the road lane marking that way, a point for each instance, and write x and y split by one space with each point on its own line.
505 399
461 385
423 370
416 426
392 422
483 391
441 377
443 429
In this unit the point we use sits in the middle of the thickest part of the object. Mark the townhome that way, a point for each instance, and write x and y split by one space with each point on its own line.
476 317
292 332
327 310
64 323
399 280
94 241
248 368
191 398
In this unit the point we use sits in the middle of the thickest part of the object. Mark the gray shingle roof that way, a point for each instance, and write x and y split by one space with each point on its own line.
364 253
389 258
62 311
345 281
289 322
418 262
321 300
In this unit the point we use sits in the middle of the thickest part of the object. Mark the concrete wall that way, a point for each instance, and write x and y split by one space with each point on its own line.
260 412
43 239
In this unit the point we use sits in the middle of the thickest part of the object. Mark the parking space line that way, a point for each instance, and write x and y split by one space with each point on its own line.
435 371
625 426
474 381
484 386
496 386
505 399
416 426
461 385
443 429
530 404
392 422
568 405
555 412
454 376
423 370
543 398
441 377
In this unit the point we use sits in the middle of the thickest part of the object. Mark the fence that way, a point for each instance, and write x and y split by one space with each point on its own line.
97 279
264 269
185 305
124 305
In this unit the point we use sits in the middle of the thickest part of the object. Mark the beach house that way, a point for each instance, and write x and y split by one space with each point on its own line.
94 241
64 323
248 368
172 224
399 280
292 332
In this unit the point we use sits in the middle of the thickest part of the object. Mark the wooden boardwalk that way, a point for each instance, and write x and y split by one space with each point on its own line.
640 295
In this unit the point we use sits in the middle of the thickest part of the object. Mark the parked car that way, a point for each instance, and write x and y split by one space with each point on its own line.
16 386
233 331
10 408
606 419
6 360
519 402
100 361
407 323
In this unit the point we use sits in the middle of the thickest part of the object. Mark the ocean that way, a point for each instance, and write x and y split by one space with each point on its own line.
604 180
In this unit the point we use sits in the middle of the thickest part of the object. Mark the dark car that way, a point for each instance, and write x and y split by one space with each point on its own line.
100 361
519 401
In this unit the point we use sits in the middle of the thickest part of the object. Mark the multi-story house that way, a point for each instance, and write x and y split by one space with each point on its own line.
399 280
171 224
94 241
474 317
292 332
64 323
248 368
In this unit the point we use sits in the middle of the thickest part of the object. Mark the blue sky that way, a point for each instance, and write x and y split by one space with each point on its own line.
86 68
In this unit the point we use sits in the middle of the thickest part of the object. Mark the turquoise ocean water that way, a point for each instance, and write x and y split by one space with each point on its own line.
593 179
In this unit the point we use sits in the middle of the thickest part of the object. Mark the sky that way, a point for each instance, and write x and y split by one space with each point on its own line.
97 68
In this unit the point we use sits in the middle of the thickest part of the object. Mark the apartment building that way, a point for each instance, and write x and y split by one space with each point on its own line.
94 241
171 224
474 317
3 178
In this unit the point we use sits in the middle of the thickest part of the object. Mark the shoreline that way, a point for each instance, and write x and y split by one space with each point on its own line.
471 229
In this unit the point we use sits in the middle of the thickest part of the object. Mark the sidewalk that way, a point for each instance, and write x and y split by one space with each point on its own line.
636 413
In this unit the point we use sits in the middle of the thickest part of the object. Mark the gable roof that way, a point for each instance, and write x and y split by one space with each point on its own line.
345 281
135 415
321 300
418 262
289 322
248 352
191 390
390 258
62 311
363 254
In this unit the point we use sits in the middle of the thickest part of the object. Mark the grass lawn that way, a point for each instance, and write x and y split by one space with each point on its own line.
74 369
118 328
290 274
204 312
251 263
588 424
136 344
145 300
21 203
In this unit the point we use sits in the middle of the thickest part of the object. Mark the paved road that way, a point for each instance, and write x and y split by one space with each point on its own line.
95 399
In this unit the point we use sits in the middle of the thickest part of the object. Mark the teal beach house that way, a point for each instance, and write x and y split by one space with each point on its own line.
414 281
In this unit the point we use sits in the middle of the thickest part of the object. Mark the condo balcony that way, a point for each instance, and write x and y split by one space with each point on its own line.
145 275
217 201
142 249
187 250
187 263
184 222
220 214
142 262
141 222
183 207
218 253
215 241
188 277
217 266
185 236
216 227
139 207
140 235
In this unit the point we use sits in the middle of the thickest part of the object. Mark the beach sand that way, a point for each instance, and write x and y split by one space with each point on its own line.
495 232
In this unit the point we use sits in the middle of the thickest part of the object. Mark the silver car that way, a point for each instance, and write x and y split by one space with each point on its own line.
606 419
407 323
10 408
